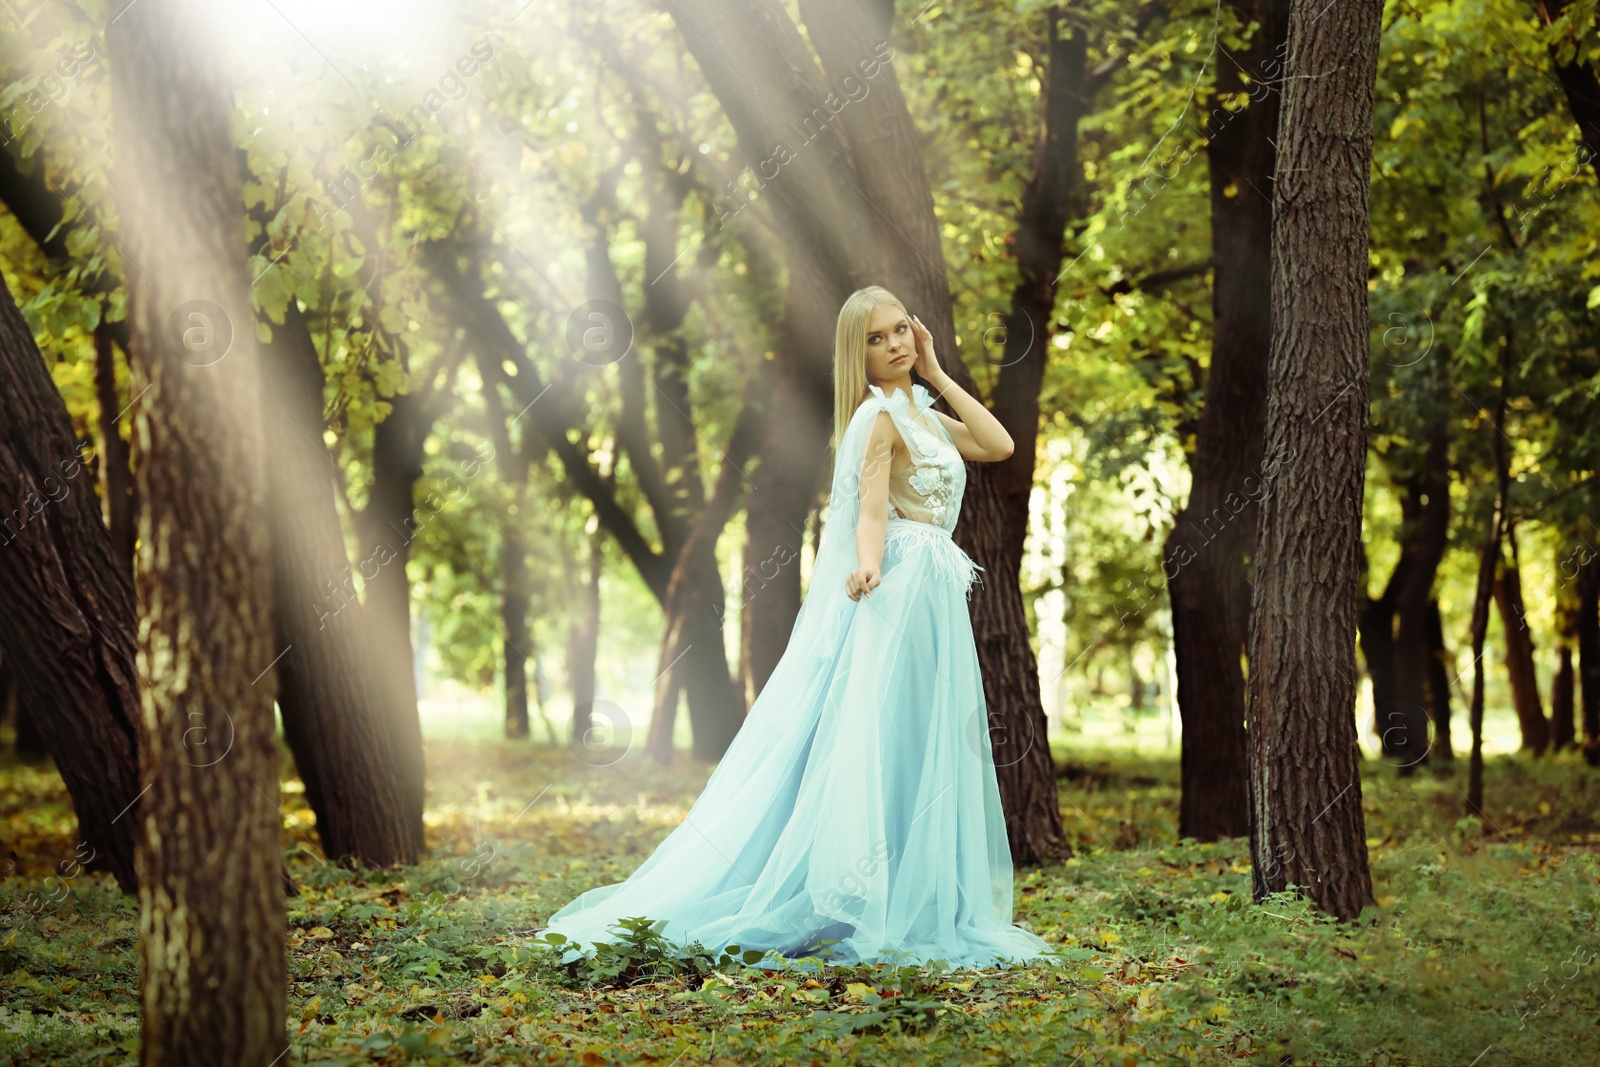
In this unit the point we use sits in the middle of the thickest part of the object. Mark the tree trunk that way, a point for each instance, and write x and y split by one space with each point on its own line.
583 645
1563 733
115 474
1375 630
388 525
775 98
1438 683
1580 84
994 521
1519 654
693 659
66 607
210 862
516 635
328 681
1488 561
1211 538
1308 829
1587 633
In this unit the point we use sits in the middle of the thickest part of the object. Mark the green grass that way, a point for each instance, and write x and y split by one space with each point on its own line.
1481 947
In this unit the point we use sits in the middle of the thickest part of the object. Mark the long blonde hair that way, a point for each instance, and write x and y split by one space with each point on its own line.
850 353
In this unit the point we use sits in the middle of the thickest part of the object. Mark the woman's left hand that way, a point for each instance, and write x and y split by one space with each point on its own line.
926 363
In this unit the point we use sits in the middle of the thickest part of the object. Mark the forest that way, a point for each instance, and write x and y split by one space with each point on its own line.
415 431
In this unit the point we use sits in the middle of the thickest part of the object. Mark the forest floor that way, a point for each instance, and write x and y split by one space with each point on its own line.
1479 951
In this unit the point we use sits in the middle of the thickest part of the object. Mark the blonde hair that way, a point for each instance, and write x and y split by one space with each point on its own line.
850 353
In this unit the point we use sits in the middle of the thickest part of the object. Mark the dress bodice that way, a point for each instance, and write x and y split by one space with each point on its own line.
926 484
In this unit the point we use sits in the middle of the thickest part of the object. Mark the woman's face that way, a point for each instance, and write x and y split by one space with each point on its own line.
891 346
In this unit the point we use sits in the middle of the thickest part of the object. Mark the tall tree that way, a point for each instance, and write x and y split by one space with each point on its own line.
329 684
212 977
1307 826
40 208
1208 550
66 606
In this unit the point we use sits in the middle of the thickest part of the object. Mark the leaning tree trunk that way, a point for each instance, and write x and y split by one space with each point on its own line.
210 861
1307 828
1212 536
328 680
66 606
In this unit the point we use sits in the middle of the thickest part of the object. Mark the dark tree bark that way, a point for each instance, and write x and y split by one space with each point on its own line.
328 680
1580 84
516 634
1426 511
1519 653
1400 664
389 523
1438 683
387 526
1208 550
1563 731
1308 829
66 607
1375 630
210 862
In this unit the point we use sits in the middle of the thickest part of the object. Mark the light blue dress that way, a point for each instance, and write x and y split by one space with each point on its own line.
857 807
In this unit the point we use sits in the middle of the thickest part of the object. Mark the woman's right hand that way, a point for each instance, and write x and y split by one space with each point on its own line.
861 581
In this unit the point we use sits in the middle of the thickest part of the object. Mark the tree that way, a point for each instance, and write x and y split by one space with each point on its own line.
1579 83
1307 827
329 687
66 607
1207 551
210 865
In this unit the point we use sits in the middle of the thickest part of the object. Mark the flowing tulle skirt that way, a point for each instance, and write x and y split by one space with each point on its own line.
857 807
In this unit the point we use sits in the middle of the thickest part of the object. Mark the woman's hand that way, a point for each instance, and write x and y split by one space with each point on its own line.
861 581
926 363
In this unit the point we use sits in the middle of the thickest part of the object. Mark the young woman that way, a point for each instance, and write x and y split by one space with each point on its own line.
856 814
